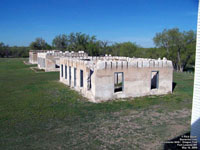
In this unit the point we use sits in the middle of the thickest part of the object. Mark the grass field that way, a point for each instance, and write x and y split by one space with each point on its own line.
38 112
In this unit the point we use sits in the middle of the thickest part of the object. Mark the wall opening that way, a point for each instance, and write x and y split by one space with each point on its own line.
118 81
74 77
89 84
57 66
61 70
70 76
154 79
65 72
81 78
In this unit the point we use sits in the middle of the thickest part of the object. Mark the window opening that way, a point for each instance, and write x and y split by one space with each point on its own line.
154 79
70 75
119 81
61 70
65 72
89 80
74 77
81 78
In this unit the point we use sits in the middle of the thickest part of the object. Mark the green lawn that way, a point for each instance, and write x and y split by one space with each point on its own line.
38 112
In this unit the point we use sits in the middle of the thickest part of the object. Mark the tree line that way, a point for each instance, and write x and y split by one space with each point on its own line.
13 51
170 43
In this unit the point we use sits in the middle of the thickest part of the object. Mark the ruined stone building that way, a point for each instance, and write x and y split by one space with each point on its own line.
33 56
49 60
105 78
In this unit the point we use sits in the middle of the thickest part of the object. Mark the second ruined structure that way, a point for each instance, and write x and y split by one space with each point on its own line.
49 60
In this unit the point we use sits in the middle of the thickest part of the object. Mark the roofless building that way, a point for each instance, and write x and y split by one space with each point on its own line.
104 78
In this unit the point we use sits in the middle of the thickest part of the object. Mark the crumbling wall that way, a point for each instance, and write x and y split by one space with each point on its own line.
41 60
33 57
52 63
137 74
137 78
79 65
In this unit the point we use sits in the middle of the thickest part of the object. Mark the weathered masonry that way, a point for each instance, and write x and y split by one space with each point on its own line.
49 60
33 56
104 78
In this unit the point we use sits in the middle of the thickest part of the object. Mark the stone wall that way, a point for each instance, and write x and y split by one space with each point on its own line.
137 73
32 57
52 63
41 60
79 65
49 60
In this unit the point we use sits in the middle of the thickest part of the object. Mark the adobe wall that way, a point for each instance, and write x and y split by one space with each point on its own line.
79 65
32 57
51 62
137 82
137 77
48 60
41 60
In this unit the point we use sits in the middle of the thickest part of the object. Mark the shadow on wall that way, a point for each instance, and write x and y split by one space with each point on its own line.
183 141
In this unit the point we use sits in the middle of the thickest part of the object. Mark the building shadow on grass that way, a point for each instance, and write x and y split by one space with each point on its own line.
173 143
173 86
185 141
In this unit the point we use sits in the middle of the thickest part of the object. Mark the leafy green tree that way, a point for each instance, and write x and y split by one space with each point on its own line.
155 53
103 48
80 41
61 42
77 41
17 51
39 44
4 50
179 46
94 48
127 49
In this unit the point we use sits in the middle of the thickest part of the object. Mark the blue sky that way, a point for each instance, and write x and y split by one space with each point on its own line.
21 21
